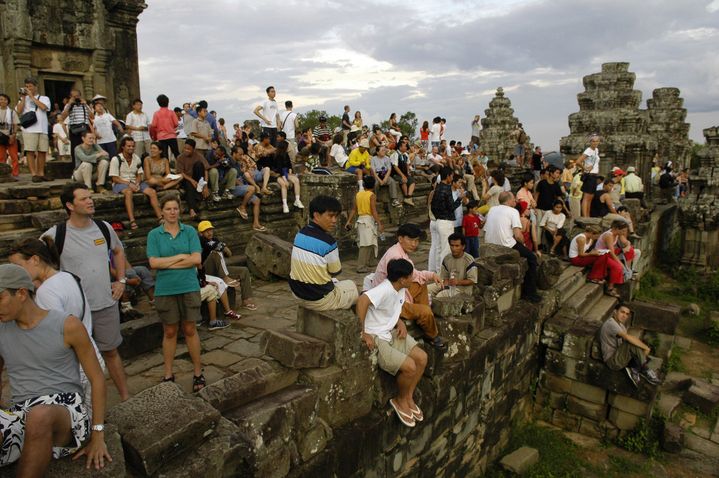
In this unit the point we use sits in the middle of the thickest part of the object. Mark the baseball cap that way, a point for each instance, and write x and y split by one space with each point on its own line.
204 225
631 169
617 172
12 276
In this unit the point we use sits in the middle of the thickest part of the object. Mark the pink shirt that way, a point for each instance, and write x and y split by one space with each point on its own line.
164 122
526 195
396 252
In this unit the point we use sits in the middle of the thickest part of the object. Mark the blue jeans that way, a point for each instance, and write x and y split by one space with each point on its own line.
473 246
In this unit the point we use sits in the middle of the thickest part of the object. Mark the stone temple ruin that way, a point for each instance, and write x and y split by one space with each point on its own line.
91 45
610 107
498 123
699 211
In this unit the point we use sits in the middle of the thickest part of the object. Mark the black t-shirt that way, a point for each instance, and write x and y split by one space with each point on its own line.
547 194
346 119
536 162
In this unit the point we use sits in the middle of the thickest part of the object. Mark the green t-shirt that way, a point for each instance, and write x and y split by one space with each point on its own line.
160 243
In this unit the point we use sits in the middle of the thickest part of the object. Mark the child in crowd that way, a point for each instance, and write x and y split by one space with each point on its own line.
368 223
553 226
471 225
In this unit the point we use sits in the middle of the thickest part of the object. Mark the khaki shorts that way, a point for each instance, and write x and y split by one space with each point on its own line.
391 355
173 309
343 296
35 142
106 328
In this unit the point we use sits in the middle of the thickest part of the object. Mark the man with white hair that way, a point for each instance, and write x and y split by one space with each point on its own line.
633 186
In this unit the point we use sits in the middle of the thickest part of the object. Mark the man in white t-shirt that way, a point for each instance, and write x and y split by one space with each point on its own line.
434 132
504 228
138 125
289 125
397 353
269 115
35 136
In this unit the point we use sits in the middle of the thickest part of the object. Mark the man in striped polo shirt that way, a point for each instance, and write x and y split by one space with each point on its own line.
316 259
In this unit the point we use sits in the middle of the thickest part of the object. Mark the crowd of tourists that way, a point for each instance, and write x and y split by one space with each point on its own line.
77 270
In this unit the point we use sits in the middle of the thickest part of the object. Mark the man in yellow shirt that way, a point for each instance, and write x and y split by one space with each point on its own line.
358 161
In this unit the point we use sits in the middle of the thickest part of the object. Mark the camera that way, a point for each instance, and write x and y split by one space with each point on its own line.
78 101
220 246
23 91
225 163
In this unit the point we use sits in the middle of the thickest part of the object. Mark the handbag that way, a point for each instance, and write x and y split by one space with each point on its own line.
28 118
5 138
79 129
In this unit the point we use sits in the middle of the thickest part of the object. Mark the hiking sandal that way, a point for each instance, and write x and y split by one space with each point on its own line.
198 383
168 379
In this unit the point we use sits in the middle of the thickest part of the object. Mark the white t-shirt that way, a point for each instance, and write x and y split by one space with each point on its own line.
574 246
269 111
289 123
61 292
434 132
339 154
41 126
181 128
59 131
137 120
120 168
505 187
103 128
384 312
591 162
434 158
551 221
500 225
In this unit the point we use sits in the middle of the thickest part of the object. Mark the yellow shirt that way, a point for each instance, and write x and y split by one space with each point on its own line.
356 158
363 200
576 188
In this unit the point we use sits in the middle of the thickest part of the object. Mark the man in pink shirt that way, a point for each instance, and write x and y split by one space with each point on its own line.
416 306
164 126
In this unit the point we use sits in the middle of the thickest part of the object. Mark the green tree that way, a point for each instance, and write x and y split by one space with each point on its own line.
407 125
312 119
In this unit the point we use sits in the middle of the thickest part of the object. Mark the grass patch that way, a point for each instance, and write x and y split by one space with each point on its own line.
558 456
674 361
644 438
623 466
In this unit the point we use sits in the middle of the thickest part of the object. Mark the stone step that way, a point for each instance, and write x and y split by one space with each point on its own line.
583 298
295 350
570 281
601 310
11 222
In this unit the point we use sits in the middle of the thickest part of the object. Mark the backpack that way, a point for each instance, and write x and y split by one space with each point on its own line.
522 137
61 230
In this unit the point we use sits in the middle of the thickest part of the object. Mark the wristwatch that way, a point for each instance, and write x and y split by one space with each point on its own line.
122 280
98 428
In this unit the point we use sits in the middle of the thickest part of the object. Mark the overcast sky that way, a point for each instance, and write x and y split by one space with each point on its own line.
432 57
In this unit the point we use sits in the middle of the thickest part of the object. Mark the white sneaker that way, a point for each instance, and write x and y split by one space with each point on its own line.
285 209
298 204
229 195
201 185
216 197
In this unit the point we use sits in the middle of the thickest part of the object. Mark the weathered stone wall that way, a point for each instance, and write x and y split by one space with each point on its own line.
92 43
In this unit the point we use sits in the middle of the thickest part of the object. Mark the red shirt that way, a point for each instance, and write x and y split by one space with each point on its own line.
471 224
164 124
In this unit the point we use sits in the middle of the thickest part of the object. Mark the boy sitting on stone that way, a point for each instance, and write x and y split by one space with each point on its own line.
623 351
397 353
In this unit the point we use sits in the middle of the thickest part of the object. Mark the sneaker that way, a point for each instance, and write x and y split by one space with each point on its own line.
285 209
409 201
228 195
216 197
218 324
298 204
438 343
633 376
650 376
201 185
232 315
396 203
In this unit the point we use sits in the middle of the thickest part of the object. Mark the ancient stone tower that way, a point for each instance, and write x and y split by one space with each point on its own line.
498 124
699 211
91 44
609 106
667 126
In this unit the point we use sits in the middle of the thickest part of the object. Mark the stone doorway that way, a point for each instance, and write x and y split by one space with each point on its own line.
57 89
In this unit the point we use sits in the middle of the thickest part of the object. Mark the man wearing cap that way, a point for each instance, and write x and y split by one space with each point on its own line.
617 192
633 187
214 252
43 351
268 113
85 253
359 161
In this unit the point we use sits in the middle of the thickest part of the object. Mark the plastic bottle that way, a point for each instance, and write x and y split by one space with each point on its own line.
452 289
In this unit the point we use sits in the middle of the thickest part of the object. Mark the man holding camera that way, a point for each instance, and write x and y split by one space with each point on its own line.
80 116
32 110
221 172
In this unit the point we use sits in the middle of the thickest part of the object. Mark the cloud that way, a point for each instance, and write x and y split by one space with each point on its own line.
433 58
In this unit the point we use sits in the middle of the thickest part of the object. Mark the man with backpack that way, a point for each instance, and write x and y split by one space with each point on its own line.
520 148
84 245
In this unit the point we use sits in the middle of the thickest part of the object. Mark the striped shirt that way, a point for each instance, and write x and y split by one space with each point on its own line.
79 114
315 259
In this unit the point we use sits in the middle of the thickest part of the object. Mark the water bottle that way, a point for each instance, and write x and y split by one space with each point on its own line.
382 237
452 289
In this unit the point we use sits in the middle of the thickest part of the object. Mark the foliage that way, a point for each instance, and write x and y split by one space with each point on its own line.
674 361
713 333
312 119
407 125
644 438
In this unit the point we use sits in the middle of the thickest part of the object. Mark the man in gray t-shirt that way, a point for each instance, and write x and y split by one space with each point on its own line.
85 254
623 351
381 167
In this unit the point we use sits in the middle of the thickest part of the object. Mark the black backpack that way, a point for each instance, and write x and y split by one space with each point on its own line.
61 230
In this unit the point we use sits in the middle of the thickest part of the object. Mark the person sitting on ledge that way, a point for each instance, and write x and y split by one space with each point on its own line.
458 272
379 310
416 305
316 259
623 351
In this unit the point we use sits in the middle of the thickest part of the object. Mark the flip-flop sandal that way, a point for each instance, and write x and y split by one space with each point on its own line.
198 383
259 229
417 413
596 281
233 283
406 420
243 214
133 225
169 379
614 293
250 306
